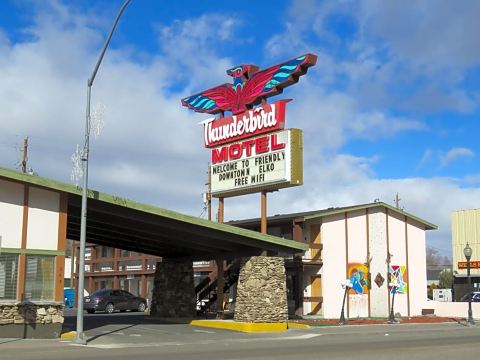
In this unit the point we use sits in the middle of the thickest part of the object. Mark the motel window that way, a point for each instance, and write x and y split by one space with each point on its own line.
40 278
106 252
8 276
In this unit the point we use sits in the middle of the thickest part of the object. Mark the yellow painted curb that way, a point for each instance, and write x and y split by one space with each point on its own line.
68 336
298 325
240 326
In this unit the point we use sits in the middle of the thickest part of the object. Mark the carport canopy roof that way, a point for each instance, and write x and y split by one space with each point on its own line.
117 222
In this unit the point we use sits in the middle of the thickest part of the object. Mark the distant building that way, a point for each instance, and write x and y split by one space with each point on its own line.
433 277
111 268
465 229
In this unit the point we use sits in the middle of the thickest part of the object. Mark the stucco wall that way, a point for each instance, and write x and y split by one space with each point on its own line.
11 214
357 253
370 245
417 267
334 264
378 252
397 247
43 218
453 309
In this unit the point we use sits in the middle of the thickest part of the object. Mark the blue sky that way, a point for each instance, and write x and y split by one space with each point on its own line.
391 106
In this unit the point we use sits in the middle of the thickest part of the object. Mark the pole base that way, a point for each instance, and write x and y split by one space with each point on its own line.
80 339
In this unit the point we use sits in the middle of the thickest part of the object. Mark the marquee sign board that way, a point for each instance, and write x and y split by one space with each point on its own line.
250 150
269 162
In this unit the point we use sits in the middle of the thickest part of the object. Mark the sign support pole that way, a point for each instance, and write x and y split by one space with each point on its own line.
209 194
220 286
220 267
263 226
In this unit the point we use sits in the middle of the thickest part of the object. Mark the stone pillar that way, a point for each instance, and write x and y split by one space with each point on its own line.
173 290
262 290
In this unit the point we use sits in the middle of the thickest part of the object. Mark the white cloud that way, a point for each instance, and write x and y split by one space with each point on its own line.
409 58
454 154
473 179
427 155
436 37
150 145
336 117
151 148
189 45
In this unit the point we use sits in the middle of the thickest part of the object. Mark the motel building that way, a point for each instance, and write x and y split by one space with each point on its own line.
378 248
347 243
374 248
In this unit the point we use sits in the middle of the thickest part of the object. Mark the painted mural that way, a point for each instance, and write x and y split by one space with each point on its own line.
357 273
398 279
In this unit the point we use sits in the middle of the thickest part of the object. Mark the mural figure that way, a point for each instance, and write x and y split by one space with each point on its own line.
398 276
358 277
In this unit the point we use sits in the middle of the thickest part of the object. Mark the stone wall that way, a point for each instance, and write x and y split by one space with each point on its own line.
31 320
173 291
262 290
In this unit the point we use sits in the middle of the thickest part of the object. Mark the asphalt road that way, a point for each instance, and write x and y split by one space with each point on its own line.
137 336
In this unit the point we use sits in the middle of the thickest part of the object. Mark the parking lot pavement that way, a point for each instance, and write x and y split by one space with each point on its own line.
139 329
133 335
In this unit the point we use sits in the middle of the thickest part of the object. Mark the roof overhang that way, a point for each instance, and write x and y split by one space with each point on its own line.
333 211
318 215
126 224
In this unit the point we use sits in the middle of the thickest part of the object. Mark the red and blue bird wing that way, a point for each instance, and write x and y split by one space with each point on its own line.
272 80
260 85
212 101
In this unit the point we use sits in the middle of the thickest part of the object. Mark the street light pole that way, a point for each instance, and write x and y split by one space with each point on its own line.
80 336
343 320
468 254
391 318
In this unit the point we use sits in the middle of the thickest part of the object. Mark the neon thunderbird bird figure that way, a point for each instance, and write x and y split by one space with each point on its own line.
249 86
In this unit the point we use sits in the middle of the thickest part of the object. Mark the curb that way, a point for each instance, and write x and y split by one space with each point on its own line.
241 326
294 325
68 335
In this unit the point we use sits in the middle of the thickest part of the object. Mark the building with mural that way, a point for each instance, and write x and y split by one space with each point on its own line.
375 248
465 229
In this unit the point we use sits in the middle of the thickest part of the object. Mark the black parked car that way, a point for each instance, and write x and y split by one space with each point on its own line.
111 300
475 296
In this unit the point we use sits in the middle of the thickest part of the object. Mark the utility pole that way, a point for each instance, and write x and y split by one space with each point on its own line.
397 201
24 155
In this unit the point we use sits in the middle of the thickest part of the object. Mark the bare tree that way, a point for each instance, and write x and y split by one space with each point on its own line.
435 261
